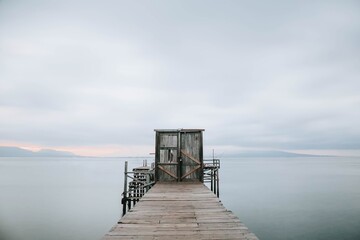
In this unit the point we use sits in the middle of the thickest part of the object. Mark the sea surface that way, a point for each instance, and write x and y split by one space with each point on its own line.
283 198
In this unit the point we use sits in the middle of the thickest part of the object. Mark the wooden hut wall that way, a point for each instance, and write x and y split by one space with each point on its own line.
192 156
173 145
167 156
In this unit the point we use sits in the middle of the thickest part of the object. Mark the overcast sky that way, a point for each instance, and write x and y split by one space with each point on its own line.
96 77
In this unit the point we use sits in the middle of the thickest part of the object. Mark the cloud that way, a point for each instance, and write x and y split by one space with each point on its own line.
253 74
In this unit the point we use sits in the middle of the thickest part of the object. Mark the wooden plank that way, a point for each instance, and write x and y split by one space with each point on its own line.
179 211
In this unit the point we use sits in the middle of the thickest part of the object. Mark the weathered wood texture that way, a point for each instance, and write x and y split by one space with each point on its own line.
179 155
179 211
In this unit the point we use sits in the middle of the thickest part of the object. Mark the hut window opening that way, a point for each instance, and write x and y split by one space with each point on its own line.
168 156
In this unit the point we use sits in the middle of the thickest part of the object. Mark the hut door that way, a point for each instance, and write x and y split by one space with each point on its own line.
168 157
191 155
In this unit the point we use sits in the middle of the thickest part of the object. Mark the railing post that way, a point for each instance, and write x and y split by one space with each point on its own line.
124 199
212 179
217 183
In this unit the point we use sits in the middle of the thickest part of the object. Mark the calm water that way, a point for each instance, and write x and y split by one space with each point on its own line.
74 199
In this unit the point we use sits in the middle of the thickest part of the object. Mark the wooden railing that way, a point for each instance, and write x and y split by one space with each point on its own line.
211 174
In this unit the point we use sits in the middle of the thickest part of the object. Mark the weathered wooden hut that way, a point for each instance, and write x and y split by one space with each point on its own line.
173 209
179 155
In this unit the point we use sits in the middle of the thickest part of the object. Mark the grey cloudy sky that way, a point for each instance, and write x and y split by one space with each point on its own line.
96 77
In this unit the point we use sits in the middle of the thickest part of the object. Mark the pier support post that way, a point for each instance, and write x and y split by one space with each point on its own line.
211 180
217 183
124 199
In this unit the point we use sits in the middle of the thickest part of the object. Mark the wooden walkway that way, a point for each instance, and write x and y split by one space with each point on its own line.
179 211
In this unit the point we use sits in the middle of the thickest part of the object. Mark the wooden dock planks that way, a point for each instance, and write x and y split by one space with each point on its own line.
179 211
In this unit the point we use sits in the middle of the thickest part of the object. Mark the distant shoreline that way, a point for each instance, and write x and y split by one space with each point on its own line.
10 152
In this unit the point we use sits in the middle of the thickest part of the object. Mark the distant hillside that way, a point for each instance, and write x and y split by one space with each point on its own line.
54 153
14 152
19 152
270 154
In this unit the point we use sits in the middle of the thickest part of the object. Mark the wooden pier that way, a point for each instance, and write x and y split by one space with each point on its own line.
179 210
168 200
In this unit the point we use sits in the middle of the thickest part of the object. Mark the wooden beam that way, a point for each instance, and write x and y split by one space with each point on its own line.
188 173
166 171
190 157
